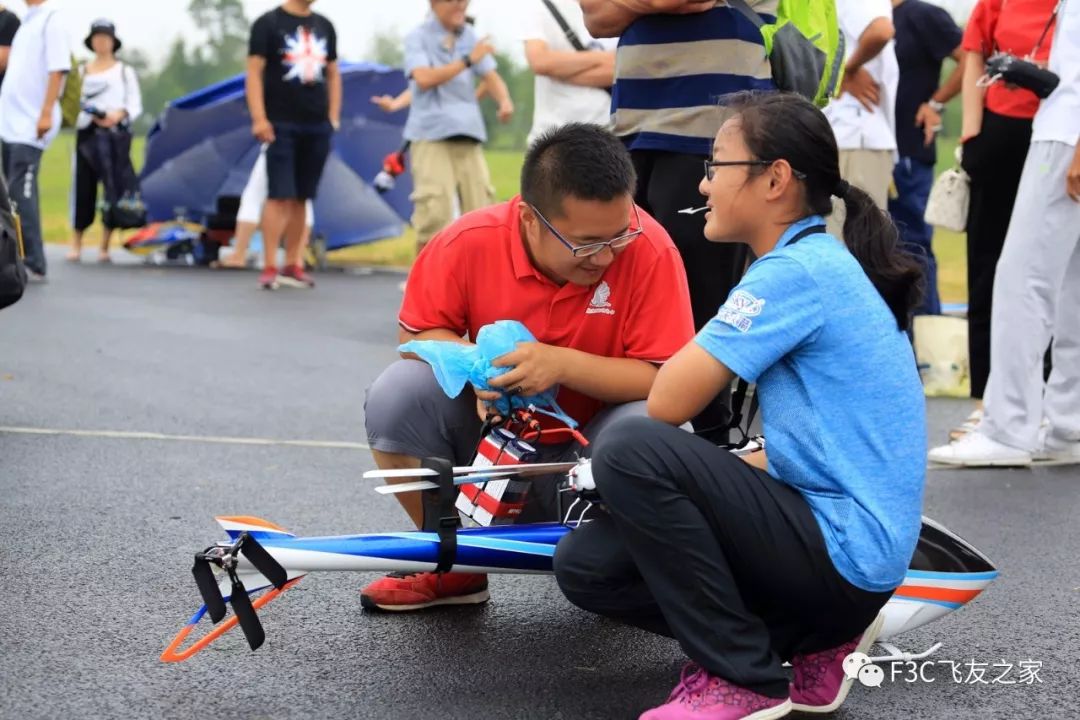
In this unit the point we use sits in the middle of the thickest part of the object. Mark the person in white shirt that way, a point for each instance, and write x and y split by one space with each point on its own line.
111 101
574 72
864 116
249 216
1037 291
30 116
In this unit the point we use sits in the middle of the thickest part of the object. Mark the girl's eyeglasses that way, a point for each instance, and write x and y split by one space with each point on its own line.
711 165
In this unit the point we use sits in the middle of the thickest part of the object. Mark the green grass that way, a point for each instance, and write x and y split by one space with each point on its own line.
505 167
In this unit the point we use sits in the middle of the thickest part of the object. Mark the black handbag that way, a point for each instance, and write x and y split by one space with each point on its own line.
12 271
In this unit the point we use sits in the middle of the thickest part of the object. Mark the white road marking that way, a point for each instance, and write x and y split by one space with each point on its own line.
131 435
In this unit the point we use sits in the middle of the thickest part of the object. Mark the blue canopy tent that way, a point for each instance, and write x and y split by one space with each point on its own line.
201 149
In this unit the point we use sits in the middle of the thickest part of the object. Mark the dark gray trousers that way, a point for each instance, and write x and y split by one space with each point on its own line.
702 547
21 166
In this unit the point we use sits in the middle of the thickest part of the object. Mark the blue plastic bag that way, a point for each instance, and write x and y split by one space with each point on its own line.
455 365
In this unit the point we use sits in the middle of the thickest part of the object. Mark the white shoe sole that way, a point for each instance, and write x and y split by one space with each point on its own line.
865 643
286 281
998 462
473 599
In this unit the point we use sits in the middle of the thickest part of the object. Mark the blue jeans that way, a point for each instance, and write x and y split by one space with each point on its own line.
913 182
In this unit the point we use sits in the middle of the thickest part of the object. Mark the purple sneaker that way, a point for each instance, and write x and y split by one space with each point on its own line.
701 696
820 684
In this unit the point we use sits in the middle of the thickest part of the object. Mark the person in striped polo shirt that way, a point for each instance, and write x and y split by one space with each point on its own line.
676 61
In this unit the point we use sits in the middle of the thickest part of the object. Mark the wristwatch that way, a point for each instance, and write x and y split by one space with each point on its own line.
467 60
935 105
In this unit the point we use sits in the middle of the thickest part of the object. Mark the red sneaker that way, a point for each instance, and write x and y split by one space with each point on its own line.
399 592
820 684
268 279
296 277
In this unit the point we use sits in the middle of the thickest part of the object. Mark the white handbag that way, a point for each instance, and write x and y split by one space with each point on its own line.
947 206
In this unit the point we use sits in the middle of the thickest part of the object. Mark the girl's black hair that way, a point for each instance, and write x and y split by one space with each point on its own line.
786 126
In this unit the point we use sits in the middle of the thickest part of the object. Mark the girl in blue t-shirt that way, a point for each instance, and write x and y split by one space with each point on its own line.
786 554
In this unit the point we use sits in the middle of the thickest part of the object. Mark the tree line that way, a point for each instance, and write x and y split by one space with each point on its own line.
221 54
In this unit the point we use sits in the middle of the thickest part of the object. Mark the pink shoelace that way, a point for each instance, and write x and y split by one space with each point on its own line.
693 679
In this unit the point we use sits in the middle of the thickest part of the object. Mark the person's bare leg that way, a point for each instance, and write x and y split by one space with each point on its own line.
241 242
294 234
106 238
411 502
275 220
76 246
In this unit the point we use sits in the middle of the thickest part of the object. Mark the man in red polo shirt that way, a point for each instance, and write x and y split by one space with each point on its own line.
595 279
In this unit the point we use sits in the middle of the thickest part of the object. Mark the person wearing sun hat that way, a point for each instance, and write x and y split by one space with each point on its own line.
111 101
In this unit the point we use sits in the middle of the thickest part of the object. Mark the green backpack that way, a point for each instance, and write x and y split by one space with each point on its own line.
71 97
805 47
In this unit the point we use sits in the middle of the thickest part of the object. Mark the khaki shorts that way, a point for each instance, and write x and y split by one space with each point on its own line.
442 171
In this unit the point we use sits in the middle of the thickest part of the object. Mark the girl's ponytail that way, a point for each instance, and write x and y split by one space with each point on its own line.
872 238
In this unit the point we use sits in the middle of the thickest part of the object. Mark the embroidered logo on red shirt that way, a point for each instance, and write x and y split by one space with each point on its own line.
599 302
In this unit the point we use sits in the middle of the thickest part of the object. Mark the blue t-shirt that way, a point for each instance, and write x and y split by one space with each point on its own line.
451 109
841 401
925 36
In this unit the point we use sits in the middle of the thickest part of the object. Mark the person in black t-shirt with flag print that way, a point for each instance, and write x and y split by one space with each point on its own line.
294 95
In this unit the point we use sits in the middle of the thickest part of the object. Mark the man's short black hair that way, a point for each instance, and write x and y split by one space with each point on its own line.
578 159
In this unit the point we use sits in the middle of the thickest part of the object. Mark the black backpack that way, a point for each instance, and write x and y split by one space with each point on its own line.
12 271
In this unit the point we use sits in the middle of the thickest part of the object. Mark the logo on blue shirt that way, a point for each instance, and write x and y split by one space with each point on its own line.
739 308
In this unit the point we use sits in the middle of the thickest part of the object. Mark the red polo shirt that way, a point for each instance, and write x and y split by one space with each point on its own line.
477 271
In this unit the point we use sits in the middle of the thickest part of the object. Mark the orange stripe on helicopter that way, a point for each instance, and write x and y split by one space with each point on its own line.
923 592
254 521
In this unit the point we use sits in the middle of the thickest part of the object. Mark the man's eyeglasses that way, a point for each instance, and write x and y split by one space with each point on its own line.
581 251
711 165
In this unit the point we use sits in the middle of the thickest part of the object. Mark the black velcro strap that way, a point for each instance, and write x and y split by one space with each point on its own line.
440 515
815 230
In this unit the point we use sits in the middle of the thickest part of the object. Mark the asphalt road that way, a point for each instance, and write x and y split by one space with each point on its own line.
97 530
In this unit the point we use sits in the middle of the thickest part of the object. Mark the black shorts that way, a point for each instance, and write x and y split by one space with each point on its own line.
295 160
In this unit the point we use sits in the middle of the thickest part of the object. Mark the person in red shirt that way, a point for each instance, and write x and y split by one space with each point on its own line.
596 280
996 134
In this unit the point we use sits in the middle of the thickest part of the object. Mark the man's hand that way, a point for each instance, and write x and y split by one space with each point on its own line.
536 369
506 111
385 103
861 86
482 49
263 130
930 121
483 397
44 124
1072 178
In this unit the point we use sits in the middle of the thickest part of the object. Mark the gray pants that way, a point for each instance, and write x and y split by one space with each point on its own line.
407 413
1036 297
21 166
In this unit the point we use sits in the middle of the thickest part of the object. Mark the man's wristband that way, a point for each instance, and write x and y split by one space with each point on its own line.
467 60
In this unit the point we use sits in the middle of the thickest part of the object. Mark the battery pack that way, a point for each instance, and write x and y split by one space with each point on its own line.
496 502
